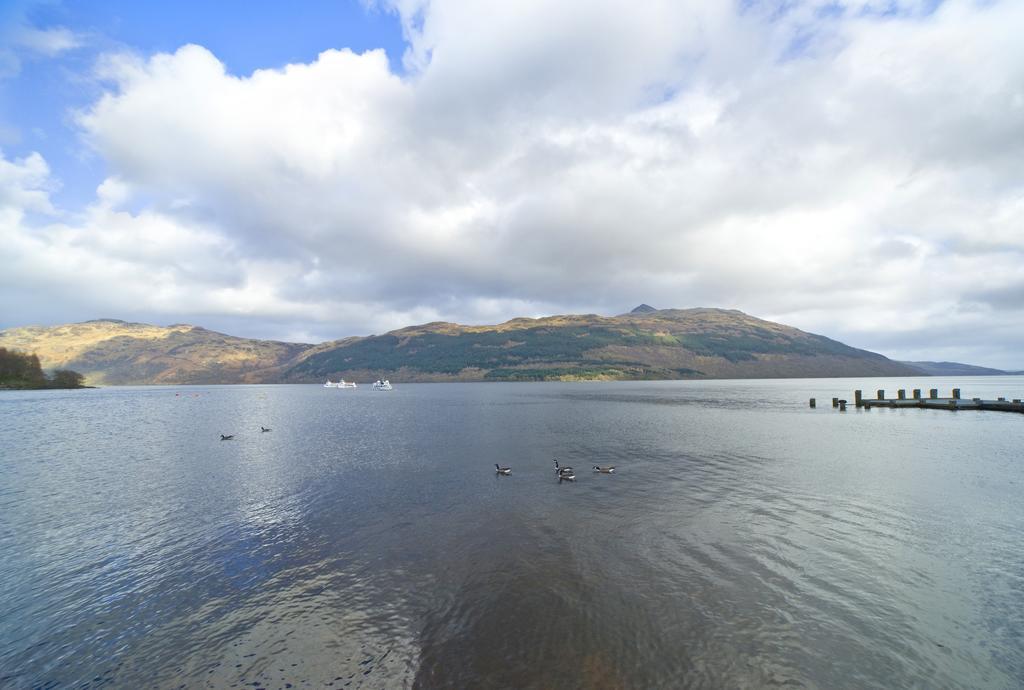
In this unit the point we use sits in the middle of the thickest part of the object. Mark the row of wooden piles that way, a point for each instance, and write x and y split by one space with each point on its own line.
933 401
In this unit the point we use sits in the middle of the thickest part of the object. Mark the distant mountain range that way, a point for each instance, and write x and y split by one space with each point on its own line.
957 369
646 343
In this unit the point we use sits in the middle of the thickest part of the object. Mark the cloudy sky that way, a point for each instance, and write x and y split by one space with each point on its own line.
852 168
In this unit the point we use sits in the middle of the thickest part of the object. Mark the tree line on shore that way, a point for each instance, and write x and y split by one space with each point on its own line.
22 370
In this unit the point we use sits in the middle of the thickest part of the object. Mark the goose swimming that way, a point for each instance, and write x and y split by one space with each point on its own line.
264 429
566 473
604 469
502 470
227 438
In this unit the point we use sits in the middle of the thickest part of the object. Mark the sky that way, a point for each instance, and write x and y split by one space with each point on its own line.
852 168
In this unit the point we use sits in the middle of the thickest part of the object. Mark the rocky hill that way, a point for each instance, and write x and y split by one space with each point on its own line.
111 352
646 343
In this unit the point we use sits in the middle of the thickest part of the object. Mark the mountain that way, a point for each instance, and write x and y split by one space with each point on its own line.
112 352
955 369
659 344
643 344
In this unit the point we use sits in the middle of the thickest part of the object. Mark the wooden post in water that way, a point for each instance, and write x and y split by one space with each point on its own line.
956 394
814 403
901 394
933 393
857 399
842 406
917 394
835 402
881 394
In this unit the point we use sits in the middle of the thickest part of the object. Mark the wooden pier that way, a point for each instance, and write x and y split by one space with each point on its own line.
933 401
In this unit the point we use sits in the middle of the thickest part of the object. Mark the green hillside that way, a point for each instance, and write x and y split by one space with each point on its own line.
665 344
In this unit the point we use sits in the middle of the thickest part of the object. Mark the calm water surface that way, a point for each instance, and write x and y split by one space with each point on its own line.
745 540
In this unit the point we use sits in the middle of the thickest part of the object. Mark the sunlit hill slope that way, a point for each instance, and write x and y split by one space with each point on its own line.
112 352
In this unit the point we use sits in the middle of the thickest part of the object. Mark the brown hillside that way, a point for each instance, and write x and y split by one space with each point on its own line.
114 352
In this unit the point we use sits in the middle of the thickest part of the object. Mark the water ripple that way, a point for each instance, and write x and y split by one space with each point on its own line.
367 542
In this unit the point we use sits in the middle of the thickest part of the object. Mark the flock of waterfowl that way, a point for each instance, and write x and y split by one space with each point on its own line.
231 437
564 473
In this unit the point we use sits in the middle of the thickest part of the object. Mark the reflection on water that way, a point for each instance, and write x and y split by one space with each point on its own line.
745 540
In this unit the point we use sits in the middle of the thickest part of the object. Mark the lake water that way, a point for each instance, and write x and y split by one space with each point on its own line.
745 540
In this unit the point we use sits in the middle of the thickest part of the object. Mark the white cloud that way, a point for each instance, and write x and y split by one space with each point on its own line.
852 169
25 185
113 193
48 42
18 40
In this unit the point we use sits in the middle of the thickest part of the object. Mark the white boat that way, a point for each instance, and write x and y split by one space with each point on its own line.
381 385
340 384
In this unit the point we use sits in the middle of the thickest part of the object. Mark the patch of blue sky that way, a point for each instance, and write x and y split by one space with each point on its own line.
774 10
245 36
771 10
659 92
832 10
805 36
800 45
38 109
899 8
